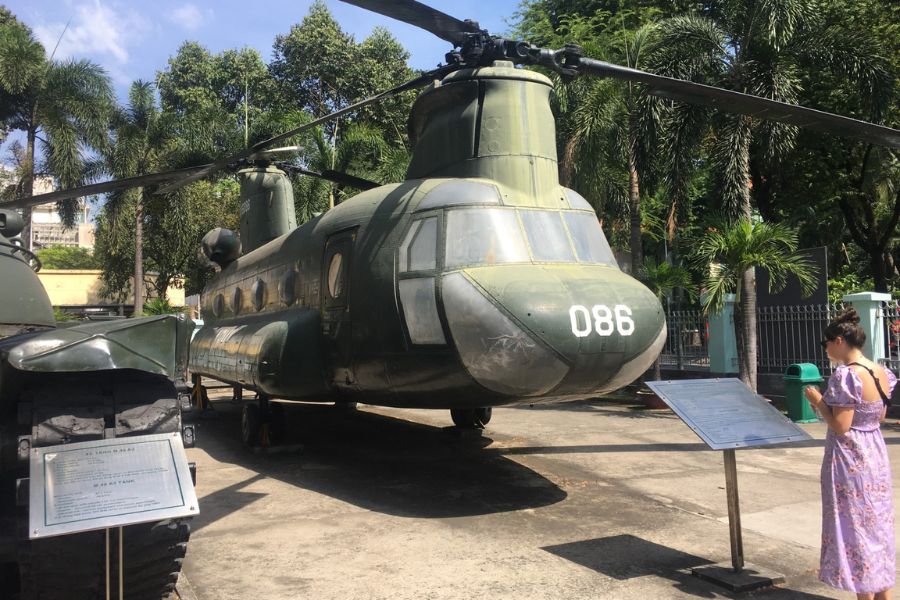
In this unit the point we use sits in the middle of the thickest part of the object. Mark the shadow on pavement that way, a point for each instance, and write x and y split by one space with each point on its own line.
625 557
375 462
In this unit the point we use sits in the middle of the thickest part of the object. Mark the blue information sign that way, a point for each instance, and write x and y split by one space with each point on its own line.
726 414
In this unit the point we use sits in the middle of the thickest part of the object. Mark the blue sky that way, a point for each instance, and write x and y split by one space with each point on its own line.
133 40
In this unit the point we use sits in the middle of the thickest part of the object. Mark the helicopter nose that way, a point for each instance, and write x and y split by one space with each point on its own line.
557 330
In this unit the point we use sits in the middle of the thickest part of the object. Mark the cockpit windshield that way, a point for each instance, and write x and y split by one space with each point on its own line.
484 236
489 236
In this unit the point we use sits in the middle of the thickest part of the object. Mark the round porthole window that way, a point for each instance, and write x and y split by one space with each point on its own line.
236 298
218 305
336 276
286 288
258 293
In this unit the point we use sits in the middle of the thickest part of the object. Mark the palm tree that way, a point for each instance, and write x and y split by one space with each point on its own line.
726 252
141 142
63 107
609 143
761 48
663 279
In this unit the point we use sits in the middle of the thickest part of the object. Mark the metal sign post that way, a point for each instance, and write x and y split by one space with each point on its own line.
726 415
734 511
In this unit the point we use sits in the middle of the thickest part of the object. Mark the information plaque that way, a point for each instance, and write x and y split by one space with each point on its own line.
109 483
726 414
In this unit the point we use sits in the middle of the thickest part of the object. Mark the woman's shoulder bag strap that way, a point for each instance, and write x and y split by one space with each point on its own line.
884 397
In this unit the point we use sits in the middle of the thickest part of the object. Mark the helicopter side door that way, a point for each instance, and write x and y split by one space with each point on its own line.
336 305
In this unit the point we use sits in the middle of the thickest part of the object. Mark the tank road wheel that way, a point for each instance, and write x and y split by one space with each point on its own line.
251 425
471 418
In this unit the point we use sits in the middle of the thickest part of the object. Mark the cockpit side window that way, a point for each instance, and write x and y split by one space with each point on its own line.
417 261
419 250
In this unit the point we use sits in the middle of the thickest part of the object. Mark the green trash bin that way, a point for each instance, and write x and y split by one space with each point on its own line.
796 378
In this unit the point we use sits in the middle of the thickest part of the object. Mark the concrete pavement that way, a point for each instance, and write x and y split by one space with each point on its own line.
585 500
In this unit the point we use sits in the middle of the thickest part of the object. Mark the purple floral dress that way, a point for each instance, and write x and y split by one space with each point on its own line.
857 499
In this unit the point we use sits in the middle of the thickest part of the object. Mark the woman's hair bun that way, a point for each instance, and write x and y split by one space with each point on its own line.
848 315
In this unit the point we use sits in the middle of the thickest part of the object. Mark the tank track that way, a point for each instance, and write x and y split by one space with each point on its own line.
71 408
73 567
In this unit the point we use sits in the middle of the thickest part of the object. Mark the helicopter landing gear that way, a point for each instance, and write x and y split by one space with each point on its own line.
199 395
471 418
262 423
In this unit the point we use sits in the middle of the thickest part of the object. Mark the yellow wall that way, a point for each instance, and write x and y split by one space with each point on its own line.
78 287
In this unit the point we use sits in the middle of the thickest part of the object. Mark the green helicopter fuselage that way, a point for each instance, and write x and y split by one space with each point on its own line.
479 281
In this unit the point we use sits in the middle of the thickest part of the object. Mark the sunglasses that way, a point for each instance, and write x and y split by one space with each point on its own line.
826 341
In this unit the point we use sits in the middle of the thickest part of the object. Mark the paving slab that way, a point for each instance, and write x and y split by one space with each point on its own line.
583 500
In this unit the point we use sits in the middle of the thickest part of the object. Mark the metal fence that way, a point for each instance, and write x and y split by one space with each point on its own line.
889 319
792 334
785 335
686 344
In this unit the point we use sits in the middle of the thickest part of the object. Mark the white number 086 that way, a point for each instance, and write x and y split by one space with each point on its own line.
601 319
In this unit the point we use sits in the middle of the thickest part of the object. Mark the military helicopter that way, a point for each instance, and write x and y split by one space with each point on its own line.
478 281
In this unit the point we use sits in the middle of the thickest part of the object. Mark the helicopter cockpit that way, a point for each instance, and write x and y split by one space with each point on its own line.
504 276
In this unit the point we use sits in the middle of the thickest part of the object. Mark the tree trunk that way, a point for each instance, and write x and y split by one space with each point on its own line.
634 200
28 185
566 163
139 254
748 337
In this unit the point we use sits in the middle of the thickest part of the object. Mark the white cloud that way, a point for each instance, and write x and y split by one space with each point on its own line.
189 16
96 30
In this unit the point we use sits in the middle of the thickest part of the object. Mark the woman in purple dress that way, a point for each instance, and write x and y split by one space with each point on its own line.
857 501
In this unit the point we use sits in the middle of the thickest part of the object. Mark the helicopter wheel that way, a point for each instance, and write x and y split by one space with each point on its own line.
471 418
251 425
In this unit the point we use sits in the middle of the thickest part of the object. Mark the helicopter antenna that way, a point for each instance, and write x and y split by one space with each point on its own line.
59 39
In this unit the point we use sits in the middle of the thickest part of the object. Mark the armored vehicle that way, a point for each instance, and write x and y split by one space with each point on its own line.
71 384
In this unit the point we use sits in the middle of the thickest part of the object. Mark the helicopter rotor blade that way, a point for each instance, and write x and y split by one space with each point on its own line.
418 82
415 13
284 150
101 188
333 176
745 104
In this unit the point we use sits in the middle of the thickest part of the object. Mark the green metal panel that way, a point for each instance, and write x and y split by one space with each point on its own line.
267 206
23 300
493 123
148 344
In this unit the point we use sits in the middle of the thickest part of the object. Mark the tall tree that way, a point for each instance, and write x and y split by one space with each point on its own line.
320 68
140 144
62 107
760 48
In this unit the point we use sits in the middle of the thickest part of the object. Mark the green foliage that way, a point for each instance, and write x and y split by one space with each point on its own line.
664 278
67 257
847 282
161 306
63 108
729 248
60 316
